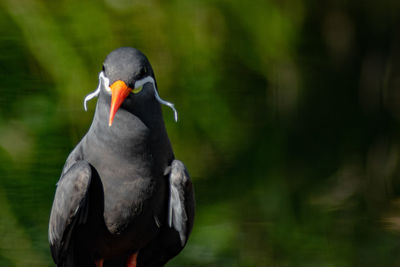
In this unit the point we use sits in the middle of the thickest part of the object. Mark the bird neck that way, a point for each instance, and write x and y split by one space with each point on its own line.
132 136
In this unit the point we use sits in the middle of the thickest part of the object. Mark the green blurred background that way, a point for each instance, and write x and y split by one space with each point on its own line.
289 121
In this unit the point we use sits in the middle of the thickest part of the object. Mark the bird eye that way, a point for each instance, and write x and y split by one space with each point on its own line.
141 73
137 90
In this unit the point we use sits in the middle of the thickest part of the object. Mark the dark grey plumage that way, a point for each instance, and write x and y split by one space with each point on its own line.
174 235
121 190
69 208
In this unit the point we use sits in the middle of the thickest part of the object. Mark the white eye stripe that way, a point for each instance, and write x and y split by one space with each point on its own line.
143 81
159 99
169 104
104 80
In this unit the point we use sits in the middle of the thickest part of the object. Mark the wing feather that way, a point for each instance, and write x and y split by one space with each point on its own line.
70 207
181 202
180 217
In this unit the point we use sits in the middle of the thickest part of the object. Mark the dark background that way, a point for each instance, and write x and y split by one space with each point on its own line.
289 118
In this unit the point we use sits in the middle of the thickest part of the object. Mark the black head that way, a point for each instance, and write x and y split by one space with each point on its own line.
128 65
126 71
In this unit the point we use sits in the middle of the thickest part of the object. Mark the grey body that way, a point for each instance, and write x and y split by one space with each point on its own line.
121 191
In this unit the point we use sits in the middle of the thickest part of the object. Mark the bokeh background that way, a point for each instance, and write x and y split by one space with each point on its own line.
289 121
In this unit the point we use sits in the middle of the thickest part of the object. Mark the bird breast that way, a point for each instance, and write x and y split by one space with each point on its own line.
128 180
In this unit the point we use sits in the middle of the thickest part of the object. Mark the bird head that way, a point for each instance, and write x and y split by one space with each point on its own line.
125 75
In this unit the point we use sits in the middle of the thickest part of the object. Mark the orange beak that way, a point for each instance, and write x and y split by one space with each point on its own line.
119 91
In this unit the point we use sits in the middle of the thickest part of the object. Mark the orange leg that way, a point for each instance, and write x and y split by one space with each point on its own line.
99 263
132 260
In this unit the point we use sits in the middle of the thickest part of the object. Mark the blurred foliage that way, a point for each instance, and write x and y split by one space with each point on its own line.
288 121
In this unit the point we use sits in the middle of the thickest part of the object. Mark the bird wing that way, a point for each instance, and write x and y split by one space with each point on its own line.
174 234
181 201
70 207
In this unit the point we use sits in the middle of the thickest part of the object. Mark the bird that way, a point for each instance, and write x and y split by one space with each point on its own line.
122 199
